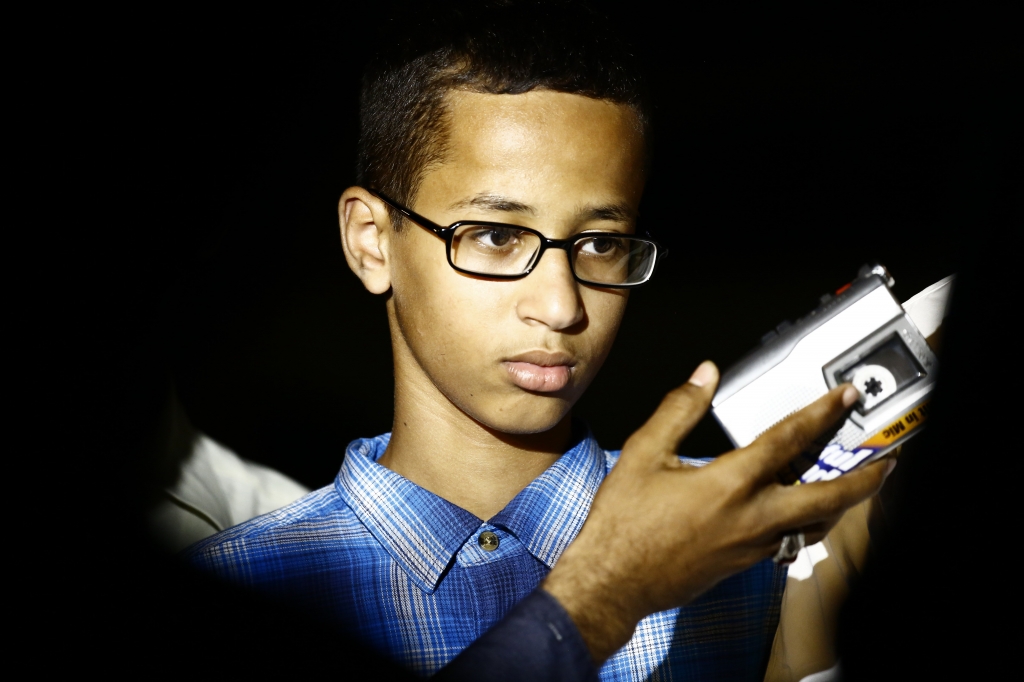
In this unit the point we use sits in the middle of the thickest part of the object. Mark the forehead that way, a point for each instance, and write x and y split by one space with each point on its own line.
538 145
539 117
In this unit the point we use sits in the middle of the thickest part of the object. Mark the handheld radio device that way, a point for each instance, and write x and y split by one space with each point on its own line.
860 335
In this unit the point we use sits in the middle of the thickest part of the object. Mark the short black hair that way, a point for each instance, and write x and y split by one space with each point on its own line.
496 47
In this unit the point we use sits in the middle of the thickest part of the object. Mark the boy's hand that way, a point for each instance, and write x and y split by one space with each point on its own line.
660 532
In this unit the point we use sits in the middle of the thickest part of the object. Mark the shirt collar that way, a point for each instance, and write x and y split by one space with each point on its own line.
420 530
423 532
547 514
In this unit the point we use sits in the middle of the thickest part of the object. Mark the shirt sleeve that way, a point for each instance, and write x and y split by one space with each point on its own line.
536 641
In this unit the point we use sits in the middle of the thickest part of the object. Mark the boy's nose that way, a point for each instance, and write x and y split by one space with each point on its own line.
550 295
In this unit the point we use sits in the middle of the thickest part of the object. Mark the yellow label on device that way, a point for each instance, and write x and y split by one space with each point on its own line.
835 460
899 428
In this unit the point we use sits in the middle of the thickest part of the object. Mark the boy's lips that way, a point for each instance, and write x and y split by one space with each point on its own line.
540 370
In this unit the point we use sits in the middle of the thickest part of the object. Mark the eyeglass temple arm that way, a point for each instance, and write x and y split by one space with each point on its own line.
409 213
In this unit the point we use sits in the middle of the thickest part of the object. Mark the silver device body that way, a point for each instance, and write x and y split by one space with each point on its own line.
862 335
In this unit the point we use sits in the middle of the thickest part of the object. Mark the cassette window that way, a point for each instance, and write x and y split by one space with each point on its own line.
882 373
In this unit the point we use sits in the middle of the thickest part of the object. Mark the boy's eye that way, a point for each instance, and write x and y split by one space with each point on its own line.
600 245
495 237
494 250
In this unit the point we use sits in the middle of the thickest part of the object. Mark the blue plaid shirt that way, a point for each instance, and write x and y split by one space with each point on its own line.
404 569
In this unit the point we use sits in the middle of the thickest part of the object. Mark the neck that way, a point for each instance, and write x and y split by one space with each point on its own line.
440 448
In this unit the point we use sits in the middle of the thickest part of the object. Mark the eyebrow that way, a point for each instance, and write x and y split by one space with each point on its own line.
615 212
496 202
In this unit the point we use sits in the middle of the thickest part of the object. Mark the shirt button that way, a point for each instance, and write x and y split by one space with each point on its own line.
488 541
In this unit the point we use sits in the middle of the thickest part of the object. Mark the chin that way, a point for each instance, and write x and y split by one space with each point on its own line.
534 415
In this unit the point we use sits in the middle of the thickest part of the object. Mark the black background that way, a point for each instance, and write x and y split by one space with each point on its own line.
789 150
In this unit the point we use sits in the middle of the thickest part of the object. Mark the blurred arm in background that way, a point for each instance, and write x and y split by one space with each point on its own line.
205 487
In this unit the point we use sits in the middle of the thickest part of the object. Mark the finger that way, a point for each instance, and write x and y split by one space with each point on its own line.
801 506
679 411
793 435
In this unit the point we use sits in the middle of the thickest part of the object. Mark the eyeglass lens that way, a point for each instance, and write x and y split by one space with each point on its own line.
490 250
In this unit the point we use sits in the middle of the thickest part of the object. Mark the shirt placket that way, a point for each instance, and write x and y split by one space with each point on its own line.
500 572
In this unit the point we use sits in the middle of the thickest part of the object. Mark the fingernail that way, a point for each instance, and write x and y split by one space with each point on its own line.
704 373
890 466
850 396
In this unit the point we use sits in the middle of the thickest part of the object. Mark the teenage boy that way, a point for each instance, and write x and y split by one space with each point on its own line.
502 160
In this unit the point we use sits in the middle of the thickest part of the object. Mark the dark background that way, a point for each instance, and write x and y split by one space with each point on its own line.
789 150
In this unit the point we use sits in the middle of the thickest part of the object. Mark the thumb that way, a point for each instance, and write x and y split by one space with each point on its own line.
678 413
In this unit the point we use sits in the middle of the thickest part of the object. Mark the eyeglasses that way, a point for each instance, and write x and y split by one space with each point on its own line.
503 251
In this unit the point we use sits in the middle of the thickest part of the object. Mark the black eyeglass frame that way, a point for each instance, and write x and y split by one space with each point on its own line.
448 234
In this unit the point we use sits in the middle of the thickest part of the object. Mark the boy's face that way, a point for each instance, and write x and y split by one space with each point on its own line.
515 355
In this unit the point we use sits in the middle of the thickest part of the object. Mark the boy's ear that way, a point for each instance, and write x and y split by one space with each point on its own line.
365 237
